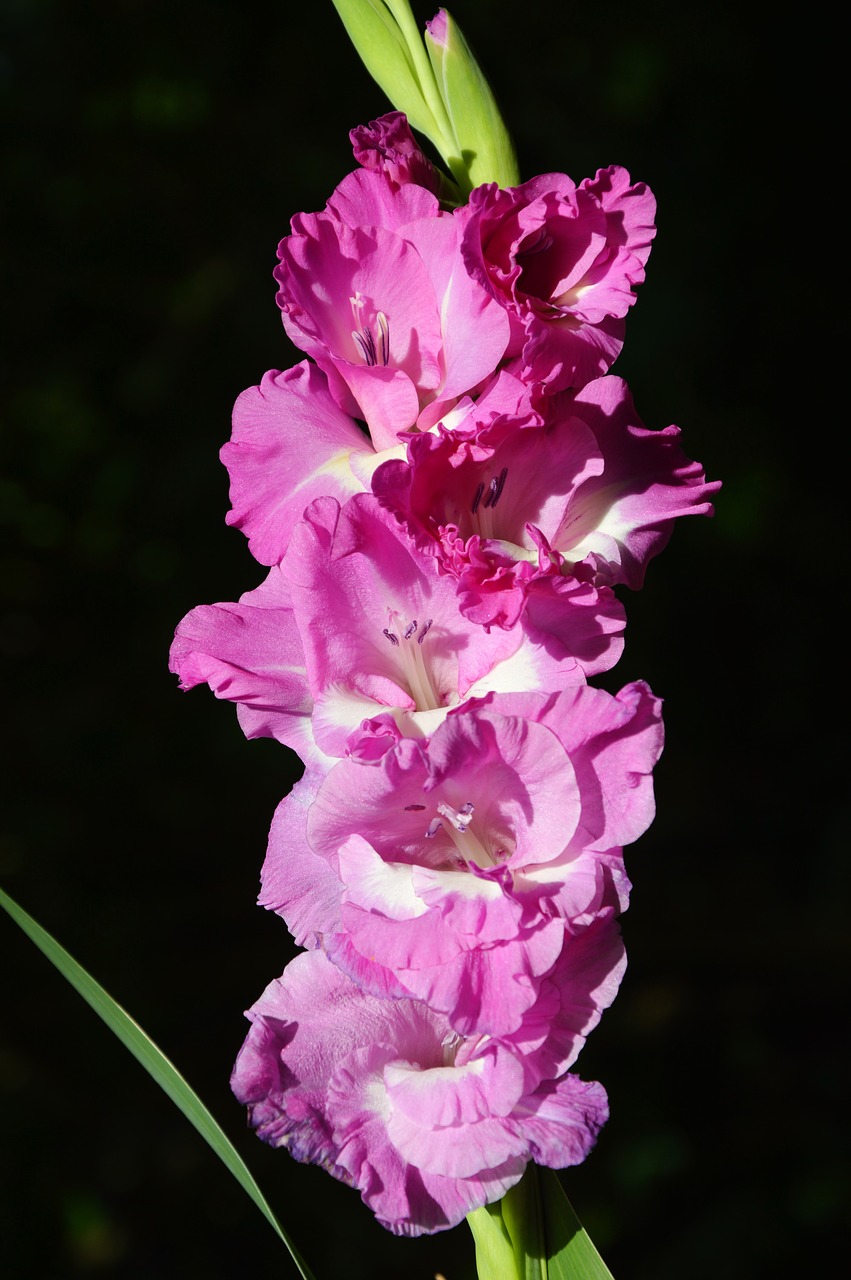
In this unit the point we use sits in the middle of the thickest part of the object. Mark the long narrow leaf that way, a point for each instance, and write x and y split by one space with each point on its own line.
570 1251
154 1061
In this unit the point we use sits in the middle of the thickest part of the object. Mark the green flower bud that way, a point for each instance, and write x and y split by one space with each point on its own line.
442 92
389 44
485 152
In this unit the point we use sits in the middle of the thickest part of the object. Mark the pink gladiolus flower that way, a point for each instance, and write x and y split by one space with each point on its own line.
564 261
426 1125
382 631
355 622
542 515
375 290
453 867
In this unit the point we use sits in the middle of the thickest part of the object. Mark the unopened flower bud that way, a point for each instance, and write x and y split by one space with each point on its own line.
485 152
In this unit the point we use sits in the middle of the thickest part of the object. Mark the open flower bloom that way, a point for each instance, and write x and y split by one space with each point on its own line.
375 290
355 622
450 869
425 1124
564 262
382 631
543 515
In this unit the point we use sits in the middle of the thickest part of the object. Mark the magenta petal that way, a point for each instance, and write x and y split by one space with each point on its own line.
291 443
563 1120
295 882
387 146
620 519
366 199
250 653
380 624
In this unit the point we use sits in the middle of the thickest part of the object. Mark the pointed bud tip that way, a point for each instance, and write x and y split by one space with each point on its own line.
438 28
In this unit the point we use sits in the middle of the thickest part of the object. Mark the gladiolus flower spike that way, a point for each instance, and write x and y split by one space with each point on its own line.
448 496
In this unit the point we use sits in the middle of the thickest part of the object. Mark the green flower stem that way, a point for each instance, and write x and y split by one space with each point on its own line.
534 1234
495 1257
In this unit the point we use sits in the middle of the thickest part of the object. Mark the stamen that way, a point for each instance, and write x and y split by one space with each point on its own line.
458 827
478 498
363 336
495 488
414 808
366 342
414 667
384 328
451 1044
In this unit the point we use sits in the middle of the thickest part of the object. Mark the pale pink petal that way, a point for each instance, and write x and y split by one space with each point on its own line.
291 443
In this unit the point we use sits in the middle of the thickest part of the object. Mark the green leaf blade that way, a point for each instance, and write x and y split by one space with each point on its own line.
571 1254
155 1063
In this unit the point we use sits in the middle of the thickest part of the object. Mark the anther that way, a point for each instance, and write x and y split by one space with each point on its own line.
411 629
424 631
384 329
366 342
474 508
460 818
495 488
394 640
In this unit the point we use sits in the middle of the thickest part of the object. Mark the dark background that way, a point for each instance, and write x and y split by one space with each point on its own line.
154 154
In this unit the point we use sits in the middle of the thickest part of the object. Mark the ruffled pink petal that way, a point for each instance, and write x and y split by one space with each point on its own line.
291 443
616 522
250 653
387 146
384 1096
